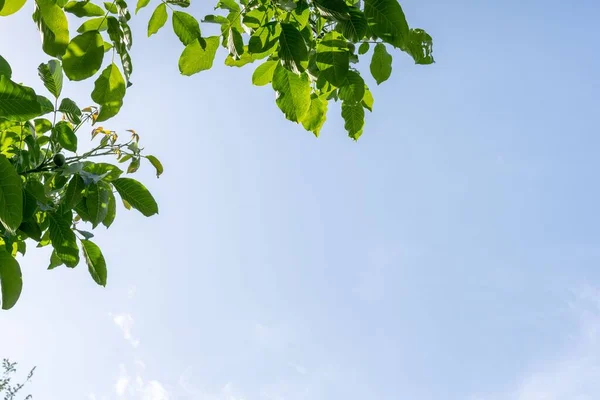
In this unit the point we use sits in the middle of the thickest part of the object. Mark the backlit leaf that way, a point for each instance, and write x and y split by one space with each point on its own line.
185 27
52 76
10 279
292 49
84 9
293 93
11 196
314 119
198 55
354 118
62 237
53 26
381 64
263 74
109 91
95 261
333 58
84 56
158 19
136 194
387 21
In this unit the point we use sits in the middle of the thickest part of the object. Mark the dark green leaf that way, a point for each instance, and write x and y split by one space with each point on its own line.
17 103
84 56
95 261
293 93
353 89
11 196
363 48
314 119
235 43
185 27
354 119
136 194
387 21
121 43
62 237
156 164
180 3
333 58
264 40
84 9
71 110
94 24
198 55
96 202
112 210
46 105
381 64
158 19
55 260
336 10
292 49
109 91
65 136
52 76
263 74
10 279
420 46
123 11
31 229
53 26
5 67
74 192
355 27
133 166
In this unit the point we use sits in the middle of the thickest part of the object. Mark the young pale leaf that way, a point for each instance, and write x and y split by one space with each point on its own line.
74 192
158 19
292 49
94 24
354 119
111 213
141 4
263 74
52 76
381 64
363 48
70 110
17 103
136 194
84 56
185 27
353 89
156 164
355 27
8 7
53 26
314 119
333 58
198 55
293 93
10 279
387 21
65 136
84 9
62 237
11 196
109 91
96 202
95 261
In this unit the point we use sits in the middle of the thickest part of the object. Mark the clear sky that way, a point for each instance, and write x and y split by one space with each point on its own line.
452 253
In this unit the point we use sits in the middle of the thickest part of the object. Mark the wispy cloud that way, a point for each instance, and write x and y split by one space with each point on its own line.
137 387
125 323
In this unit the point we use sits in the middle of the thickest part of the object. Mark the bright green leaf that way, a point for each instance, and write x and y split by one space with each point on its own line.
353 89
367 101
42 125
354 119
65 136
8 7
136 194
111 7
293 93
264 40
84 9
55 260
333 58
185 27
158 19
52 76
381 64
94 24
10 279
17 103
96 201
156 164
53 26
420 46
11 196
95 261
62 237
84 56
314 119
141 4
108 172
198 55
109 91
263 74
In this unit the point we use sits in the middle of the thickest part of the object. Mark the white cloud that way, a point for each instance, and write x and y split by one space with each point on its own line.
125 323
137 387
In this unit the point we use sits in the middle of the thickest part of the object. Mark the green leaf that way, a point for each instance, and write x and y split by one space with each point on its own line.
420 46
156 164
11 196
62 237
108 172
333 58
180 3
5 67
111 213
336 10
123 11
96 201
133 166
84 9
158 19
263 74
292 49
235 43
122 42
109 91
65 136
353 89
53 26
52 76
264 40
367 101
381 64
8 7
387 21
31 229
215 19
71 110
136 194
94 24
198 55
74 192
107 46
354 119
10 279
84 56
55 260
230 5
314 119
141 4
111 7
185 27
301 14
293 93
255 18
17 103
46 105
363 48
355 28
42 125
244 59
95 261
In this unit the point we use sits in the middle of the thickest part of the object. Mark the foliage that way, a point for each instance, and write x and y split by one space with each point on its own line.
308 50
8 389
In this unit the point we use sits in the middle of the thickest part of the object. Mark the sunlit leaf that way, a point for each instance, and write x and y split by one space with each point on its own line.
158 19
11 281
198 55
136 194
381 64
52 76
11 196
185 27
293 93
84 56
387 21
95 261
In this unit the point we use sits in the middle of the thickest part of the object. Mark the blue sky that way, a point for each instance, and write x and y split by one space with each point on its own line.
452 253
